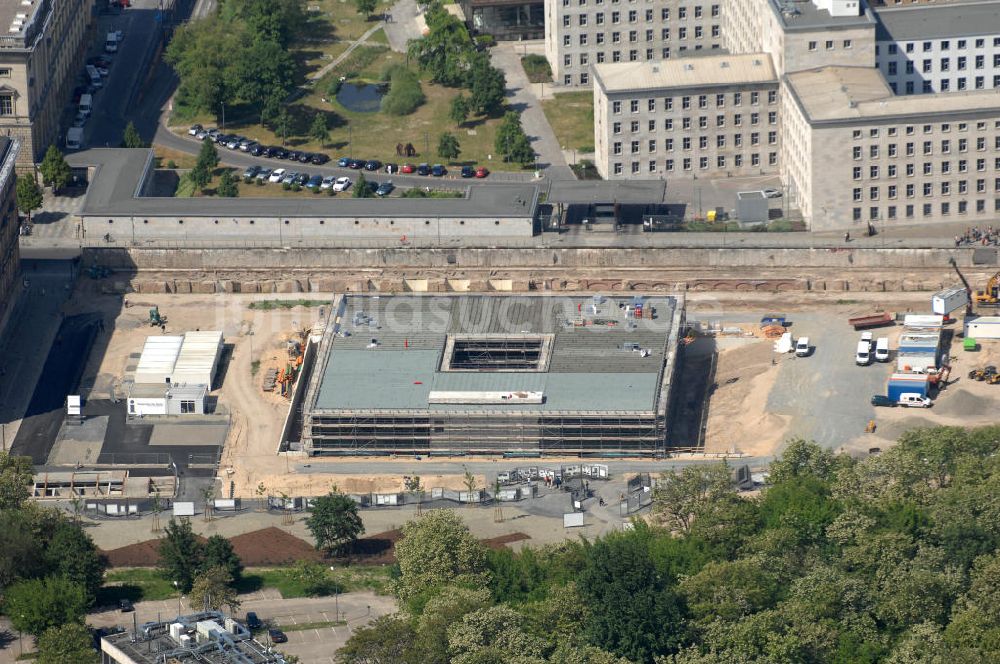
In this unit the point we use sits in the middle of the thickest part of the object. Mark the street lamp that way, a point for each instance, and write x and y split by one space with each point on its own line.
336 596
177 587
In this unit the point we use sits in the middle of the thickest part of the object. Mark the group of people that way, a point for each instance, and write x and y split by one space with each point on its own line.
976 235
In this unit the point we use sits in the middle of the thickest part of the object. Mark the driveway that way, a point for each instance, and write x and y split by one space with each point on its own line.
403 23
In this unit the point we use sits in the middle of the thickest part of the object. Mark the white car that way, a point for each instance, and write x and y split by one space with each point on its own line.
771 192
342 184
277 175
327 182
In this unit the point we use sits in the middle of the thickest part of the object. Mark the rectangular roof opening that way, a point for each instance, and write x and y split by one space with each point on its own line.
487 353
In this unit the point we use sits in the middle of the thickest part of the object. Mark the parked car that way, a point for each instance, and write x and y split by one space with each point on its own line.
253 622
882 400
423 169
802 347
234 142
408 168
468 172
263 174
201 135
305 157
251 171
482 172
78 92
246 144
220 138
914 400
373 165
384 189
328 182
278 152
258 150
102 70
277 175
356 164
277 636
125 605
342 183
314 182
391 168
301 179
437 170
293 155
344 162
213 133
289 177
771 192
319 158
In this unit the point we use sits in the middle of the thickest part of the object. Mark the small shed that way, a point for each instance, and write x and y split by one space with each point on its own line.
191 358
984 327
752 207
162 399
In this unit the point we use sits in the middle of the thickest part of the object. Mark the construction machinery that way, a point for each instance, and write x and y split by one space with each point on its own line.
968 288
156 318
984 373
990 296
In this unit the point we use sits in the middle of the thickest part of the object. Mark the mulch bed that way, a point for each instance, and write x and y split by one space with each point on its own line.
275 547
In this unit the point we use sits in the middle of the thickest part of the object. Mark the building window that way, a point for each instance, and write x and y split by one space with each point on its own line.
6 105
812 46
848 43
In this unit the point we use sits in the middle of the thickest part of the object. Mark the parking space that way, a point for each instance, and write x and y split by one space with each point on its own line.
699 195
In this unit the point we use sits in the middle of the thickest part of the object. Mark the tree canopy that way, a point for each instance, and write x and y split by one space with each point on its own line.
436 550
181 554
35 605
16 475
68 644
334 520
29 199
131 137
55 171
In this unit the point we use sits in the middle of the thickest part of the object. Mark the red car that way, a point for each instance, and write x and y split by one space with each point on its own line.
482 172
408 168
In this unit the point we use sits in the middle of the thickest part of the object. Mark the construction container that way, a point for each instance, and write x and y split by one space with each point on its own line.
900 383
946 301
915 362
923 321
984 327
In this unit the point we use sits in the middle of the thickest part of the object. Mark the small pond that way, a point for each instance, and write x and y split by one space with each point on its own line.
361 97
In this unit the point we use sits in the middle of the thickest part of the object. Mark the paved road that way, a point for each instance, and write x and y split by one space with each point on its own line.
405 23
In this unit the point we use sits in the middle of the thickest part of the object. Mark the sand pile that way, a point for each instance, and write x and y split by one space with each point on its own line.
962 404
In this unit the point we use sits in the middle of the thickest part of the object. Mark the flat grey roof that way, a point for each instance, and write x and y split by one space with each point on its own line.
920 22
119 173
807 16
9 9
589 370
588 191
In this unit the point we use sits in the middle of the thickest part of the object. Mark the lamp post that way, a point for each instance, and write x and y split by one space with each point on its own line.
336 596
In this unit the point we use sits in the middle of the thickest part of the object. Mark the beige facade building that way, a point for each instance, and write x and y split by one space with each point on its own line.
10 257
41 46
713 115
583 33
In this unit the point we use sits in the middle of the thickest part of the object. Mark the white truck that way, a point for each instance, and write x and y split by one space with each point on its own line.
74 138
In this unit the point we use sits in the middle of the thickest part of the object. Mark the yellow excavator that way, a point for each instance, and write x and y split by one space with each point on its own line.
992 293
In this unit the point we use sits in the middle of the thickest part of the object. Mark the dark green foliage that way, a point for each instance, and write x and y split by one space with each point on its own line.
361 188
486 84
228 187
459 110
15 471
537 68
404 95
334 520
55 171
218 552
318 130
208 156
181 554
131 137
365 7
29 199
387 639
72 554
69 644
36 605
448 147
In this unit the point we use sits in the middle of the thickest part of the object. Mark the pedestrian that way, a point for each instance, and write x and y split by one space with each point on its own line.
847 236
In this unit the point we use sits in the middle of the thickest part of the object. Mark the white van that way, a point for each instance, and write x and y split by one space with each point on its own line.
86 104
882 349
802 347
111 42
914 400
94 76
74 138
863 355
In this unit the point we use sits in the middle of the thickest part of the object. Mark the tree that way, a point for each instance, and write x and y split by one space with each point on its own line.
801 458
521 151
212 589
405 94
199 176
55 171
459 110
318 131
16 476
283 124
218 552
448 147
29 194
679 495
435 550
385 640
21 544
71 553
228 188
442 610
487 88
35 605
181 554
208 156
361 188
67 644
131 137
365 7
492 634
334 520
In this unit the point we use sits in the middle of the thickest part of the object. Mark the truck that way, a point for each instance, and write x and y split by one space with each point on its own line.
903 383
74 138
948 300
871 320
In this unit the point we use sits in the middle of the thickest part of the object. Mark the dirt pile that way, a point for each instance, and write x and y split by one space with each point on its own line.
962 404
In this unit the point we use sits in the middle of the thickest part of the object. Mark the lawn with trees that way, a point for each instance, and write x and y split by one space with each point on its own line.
893 558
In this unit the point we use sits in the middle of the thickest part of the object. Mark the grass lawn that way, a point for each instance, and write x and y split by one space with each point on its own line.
180 159
135 584
571 115
537 68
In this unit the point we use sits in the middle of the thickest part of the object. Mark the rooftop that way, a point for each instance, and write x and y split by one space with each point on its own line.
589 191
20 21
120 174
832 94
686 72
394 351
920 22
801 16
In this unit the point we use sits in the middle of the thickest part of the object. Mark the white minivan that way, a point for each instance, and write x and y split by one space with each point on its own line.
94 76
914 400
882 349
86 104
802 347
111 43
863 355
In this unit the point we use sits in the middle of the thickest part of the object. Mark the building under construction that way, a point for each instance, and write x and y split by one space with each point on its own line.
494 374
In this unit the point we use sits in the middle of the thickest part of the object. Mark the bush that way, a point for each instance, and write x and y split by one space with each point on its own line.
537 68
331 192
485 41
296 187
171 164
247 179
286 185
405 95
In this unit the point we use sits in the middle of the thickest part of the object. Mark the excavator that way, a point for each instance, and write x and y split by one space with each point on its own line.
988 297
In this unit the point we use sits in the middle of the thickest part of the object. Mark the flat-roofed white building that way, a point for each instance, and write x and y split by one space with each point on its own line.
191 358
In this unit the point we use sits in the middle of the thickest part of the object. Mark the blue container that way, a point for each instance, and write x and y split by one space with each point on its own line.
907 383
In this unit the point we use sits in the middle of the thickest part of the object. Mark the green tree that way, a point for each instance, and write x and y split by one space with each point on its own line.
385 640
442 610
365 7
35 605
208 156
283 124
315 578
334 520
521 151
488 86
55 171
67 644
218 552
131 137
181 554
405 94
318 131
492 635
678 496
71 553
448 147
361 188
16 476
228 187
199 176
213 589
435 550
459 110
21 541
801 458
29 194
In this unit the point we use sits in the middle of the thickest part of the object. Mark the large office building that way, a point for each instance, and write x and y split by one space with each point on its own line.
40 53
493 374
10 256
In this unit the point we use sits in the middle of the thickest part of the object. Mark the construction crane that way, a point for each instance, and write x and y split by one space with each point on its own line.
968 288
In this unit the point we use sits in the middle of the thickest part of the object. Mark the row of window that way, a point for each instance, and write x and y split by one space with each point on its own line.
944 167
943 45
688 163
828 44
702 101
927 189
682 12
687 124
909 148
583 39
944 85
616 17
910 130
686 143
927 209
944 64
